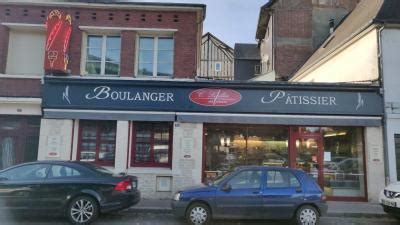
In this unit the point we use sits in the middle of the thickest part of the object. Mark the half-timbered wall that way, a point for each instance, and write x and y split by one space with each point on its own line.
216 59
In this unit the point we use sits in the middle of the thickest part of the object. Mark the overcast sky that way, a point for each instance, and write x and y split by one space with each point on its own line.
232 21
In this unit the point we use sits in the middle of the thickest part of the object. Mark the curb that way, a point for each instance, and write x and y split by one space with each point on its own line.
358 215
329 214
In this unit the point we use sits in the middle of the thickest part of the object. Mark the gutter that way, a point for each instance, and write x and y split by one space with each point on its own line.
384 117
114 5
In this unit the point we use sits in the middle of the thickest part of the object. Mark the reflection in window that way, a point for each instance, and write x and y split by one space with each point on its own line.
97 141
151 144
103 54
281 179
343 162
229 146
246 179
156 56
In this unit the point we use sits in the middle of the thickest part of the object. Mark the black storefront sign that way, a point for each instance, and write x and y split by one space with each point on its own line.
211 97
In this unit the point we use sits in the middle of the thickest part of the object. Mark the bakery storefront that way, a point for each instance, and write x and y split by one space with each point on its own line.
172 134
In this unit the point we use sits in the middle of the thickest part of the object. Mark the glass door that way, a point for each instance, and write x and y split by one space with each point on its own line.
307 154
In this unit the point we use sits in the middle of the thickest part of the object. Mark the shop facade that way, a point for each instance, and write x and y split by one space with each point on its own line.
172 134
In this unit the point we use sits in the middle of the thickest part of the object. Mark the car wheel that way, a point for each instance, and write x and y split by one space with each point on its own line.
82 210
307 215
198 214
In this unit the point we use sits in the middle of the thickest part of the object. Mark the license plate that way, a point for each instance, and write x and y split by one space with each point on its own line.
389 203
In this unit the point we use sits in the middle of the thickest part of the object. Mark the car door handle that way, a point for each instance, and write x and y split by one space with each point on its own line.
33 185
256 192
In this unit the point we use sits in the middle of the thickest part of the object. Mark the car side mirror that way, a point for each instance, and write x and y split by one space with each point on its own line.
3 179
227 187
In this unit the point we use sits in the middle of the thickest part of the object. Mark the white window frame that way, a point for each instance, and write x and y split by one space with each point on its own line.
220 67
103 53
155 55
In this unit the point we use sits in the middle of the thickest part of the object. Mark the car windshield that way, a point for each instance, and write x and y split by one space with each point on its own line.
99 169
219 179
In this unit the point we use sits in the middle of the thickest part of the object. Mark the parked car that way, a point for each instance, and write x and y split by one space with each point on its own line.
389 198
256 192
78 190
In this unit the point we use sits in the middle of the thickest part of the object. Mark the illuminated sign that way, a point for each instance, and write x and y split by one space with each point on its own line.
59 29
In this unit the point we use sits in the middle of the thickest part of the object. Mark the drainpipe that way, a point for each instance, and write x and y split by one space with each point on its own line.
381 79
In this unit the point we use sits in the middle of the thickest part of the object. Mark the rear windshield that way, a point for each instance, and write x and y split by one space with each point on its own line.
99 169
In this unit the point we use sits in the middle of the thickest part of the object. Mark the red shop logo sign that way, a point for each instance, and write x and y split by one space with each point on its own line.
215 97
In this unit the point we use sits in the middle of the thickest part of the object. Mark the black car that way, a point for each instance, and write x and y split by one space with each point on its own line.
78 190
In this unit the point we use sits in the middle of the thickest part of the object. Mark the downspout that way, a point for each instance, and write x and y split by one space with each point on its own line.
384 118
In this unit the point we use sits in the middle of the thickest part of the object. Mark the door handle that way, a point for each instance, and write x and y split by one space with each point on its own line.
256 192
298 190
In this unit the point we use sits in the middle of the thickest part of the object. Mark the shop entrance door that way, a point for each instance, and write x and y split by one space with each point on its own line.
307 154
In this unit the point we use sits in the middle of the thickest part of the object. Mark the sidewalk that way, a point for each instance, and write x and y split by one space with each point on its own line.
335 209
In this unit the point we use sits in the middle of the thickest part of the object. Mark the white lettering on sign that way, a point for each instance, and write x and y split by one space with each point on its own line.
288 99
105 92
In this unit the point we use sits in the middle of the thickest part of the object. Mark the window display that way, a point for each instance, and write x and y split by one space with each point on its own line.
151 144
333 156
97 141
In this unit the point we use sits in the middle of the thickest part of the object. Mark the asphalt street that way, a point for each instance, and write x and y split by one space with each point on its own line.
132 218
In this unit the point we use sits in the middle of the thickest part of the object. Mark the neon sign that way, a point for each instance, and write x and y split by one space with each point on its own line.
59 28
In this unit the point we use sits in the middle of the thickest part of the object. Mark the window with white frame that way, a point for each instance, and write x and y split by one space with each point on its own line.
103 54
217 67
155 56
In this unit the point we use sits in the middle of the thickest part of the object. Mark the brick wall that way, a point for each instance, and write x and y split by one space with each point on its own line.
289 58
184 22
17 87
294 31
3 47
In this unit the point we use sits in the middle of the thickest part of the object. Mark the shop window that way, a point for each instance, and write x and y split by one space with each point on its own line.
19 139
230 146
97 141
343 165
152 144
26 47
155 56
103 55
397 149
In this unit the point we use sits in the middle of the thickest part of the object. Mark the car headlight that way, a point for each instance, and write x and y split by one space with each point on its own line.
177 196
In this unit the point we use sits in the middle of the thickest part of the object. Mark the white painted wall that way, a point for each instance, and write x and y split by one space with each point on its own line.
356 62
390 71
20 106
375 168
55 136
121 146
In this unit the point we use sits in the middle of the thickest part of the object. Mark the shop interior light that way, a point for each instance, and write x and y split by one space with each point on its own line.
335 134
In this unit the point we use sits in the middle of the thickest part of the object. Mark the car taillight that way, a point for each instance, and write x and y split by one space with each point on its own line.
124 185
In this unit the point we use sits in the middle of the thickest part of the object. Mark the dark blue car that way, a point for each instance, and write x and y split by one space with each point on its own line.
254 193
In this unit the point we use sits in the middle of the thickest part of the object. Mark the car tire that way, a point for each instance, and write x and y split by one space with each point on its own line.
82 210
307 215
198 214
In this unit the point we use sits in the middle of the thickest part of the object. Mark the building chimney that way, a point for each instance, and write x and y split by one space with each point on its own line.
331 25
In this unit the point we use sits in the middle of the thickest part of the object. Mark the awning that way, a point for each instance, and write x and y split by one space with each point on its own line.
229 118
308 120
108 115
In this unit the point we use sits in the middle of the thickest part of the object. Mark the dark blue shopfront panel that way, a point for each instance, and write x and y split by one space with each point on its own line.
175 96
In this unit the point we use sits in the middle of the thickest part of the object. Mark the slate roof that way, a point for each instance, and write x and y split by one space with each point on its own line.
366 13
263 19
247 51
